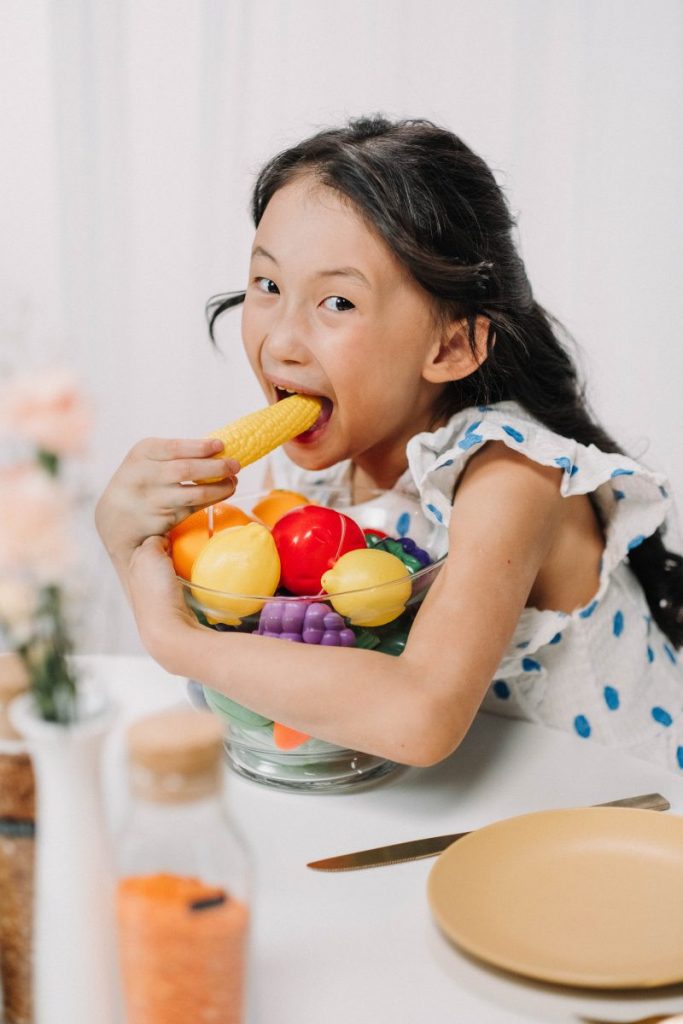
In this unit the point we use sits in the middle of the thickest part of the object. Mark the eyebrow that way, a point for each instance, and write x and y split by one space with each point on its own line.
353 272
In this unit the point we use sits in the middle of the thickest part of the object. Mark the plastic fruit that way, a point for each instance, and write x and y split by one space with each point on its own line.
239 560
379 584
403 547
309 541
251 437
285 738
276 504
189 537
305 622
223 706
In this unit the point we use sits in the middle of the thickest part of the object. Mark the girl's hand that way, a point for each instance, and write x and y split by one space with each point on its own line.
157 599
158 484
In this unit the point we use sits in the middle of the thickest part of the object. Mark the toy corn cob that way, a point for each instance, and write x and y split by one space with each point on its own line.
251 437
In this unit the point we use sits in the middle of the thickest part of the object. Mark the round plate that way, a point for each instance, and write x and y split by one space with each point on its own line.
578 897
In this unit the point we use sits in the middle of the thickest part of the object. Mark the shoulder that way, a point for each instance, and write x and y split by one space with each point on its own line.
505 467
498 444
502 492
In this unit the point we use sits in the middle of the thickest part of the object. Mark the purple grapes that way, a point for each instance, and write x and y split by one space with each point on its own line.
303 622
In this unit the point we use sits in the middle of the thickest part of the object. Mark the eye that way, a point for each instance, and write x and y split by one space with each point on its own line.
337 304
265 284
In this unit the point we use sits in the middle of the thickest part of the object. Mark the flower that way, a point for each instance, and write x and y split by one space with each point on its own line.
36 548
18 606
47 409
34 515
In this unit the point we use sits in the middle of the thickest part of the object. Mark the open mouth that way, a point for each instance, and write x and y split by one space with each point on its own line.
323 418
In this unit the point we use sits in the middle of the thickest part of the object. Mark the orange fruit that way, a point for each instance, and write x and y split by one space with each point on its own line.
189 537
276 503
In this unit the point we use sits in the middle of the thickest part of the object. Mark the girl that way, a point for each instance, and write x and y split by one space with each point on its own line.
384 279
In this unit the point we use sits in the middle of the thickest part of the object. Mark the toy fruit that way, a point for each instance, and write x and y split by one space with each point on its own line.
274 505
403 547
190 536
250 437
223 706
379 585
239 560
305 622
285 738
309 541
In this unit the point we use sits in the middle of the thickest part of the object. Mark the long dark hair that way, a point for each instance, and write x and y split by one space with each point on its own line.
438 207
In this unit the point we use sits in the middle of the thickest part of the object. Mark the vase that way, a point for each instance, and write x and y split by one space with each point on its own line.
74 952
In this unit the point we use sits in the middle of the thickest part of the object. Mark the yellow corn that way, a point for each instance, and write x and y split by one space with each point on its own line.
251 437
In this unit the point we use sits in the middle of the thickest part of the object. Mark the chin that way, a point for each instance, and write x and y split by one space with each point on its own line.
306 459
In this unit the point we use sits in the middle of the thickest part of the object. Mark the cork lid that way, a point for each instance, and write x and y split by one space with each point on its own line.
14 680
176 754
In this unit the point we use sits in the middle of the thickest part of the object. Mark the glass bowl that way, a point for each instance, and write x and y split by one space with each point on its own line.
376 617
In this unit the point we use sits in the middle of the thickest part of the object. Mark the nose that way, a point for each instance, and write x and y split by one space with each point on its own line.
286 337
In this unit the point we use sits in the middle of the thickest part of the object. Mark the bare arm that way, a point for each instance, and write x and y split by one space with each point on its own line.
414 709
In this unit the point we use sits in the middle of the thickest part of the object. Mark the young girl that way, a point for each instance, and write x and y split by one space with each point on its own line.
384 279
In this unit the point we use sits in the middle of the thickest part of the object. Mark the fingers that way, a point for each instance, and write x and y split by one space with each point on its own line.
165 449
180 471
196 496
184 460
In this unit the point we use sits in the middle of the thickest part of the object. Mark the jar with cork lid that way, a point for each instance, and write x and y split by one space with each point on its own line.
17 856
183 888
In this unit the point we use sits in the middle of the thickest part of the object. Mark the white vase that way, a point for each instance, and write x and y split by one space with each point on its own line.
74 945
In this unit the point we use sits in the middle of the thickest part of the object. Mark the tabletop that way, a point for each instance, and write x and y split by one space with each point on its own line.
362 945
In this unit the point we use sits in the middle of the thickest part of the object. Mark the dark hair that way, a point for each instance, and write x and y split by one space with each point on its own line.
438 207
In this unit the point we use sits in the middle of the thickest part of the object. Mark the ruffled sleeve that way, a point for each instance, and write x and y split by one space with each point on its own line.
633 501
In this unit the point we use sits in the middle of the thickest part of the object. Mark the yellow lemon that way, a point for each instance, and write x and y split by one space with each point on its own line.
379 583
238 560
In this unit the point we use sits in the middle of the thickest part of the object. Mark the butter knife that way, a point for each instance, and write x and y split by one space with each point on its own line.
417 849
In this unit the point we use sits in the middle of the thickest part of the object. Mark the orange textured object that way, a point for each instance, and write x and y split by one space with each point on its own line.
286 738
182 950
189 537
276 504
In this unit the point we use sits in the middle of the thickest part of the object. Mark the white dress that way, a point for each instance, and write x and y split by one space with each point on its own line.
606 671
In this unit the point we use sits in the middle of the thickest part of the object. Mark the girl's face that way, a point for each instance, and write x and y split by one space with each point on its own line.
330 311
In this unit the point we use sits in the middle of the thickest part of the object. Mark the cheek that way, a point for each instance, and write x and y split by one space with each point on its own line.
252 331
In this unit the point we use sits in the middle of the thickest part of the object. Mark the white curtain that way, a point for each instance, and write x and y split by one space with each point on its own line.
132 130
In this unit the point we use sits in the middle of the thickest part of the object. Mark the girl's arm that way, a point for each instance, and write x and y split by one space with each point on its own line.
414 709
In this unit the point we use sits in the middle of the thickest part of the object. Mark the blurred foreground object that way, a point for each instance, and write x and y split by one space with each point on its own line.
17 829
43 418
183 890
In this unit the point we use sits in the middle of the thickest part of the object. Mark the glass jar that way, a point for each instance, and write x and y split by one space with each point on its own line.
17 861
374 614
183 888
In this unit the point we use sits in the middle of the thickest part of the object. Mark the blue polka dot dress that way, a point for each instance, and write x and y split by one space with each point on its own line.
605 672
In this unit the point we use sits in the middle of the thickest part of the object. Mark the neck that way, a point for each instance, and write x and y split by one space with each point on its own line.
383 478
381 466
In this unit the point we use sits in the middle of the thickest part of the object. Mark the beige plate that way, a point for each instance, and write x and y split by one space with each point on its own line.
590 897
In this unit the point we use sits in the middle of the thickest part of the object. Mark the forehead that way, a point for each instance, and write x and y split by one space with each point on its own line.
308 221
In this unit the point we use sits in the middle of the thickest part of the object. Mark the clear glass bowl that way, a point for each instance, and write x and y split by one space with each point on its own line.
377 617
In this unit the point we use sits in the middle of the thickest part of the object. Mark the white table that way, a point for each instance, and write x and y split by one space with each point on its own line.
360 946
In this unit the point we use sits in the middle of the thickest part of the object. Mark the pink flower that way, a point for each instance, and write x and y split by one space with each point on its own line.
18 605
48 409
34 524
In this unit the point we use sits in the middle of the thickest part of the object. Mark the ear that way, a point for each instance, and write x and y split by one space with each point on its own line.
451 356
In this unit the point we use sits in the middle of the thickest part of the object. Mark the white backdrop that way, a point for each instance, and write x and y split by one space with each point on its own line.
132 130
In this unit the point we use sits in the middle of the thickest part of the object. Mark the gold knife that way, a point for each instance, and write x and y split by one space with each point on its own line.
417 849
